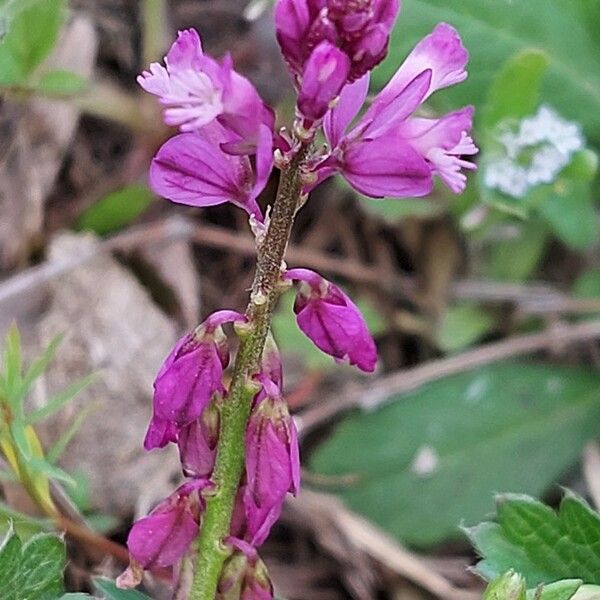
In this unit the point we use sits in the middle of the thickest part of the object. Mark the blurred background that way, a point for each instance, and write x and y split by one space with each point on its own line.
485 306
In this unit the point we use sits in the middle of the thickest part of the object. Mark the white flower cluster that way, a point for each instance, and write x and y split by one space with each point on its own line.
535 153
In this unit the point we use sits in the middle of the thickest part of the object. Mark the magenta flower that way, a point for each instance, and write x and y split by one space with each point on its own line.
332 321
160 433
391 153
197 443
272 462
324 76
196 90
163 537
193 169
361 29
190 376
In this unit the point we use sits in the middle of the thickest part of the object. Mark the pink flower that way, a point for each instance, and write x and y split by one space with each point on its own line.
324 76
193 169
332 321
197 443
391 153
189 377
361 29
163 537
272 462
160 433
196 90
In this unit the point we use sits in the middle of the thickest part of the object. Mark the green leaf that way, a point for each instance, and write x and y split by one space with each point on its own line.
541 544
34 570
560 590
39 365
587 284
52 471
13 362
514 93
115 211
57 402
396 209
31 35
514 426
463 325
569 211
19 435
517 258
61 83
112 592
493 31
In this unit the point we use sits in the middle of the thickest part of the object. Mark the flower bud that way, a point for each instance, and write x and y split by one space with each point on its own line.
163 537
272 462
324 76
244 575
192 373
332 321
198 443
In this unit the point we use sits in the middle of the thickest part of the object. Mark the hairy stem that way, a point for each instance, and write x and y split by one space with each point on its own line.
229 463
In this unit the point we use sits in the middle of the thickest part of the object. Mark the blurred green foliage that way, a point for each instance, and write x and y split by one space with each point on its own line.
432 459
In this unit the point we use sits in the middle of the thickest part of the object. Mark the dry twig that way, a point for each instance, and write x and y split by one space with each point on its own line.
363 536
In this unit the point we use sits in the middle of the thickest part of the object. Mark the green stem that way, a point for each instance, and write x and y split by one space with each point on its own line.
235 411
154 30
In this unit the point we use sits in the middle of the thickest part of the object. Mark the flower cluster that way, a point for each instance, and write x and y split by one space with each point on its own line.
534 153
225 151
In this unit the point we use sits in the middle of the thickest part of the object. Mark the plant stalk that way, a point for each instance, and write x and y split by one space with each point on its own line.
229 462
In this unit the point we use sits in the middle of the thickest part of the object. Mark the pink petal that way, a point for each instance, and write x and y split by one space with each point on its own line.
386 167
189 169
337 120
442 52
161 539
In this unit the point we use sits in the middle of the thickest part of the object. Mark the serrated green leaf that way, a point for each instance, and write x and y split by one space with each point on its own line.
514 93
32 33
463 325
34 570
61 83
493 31
112 592
541 544
57 402
115 211
461 437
